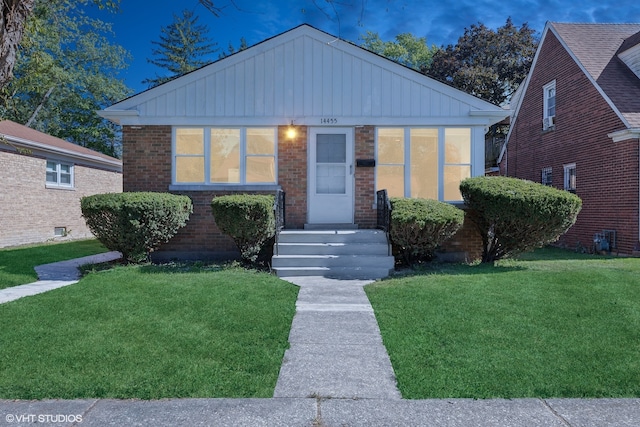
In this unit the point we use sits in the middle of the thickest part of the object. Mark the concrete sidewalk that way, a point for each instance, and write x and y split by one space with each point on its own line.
315 412
336 373
55 275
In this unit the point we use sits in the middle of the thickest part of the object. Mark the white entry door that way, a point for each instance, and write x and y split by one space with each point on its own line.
331 176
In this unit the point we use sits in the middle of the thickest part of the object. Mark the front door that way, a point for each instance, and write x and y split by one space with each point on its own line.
331 176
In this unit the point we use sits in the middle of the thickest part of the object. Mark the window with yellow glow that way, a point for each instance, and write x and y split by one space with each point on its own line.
424 163
212 155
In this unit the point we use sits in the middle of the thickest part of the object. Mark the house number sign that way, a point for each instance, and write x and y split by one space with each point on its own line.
328 121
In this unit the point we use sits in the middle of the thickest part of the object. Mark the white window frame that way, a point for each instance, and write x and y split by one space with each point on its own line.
547 176
233 186
58 171
441 157
548 119
568 185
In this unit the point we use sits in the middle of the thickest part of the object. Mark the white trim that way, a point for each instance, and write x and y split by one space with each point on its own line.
56 151
566 176
321 209
547 119
58 184
243 185
625 134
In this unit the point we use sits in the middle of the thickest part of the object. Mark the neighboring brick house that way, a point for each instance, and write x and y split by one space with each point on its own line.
576 126
361 123
43 179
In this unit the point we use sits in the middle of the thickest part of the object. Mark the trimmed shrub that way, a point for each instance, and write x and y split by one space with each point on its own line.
419 226
514 215
248 219
135 223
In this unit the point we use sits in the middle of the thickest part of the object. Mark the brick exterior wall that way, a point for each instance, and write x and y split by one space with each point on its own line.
292 174
365 190
607 172
147 167
465 245
29 211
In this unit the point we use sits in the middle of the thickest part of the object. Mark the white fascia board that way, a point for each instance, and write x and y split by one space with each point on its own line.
119 117
317 121
623 135
97 160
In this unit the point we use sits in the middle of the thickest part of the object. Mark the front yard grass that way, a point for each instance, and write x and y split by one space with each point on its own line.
16 264
148 332
551 324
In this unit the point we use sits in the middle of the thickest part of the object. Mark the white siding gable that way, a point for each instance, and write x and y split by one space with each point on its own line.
631 57
305 76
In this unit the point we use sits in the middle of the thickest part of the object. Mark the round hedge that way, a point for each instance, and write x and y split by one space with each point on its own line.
515 215
419 226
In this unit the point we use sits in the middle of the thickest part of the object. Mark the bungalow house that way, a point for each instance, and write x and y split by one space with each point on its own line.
309 113
576 126
44 178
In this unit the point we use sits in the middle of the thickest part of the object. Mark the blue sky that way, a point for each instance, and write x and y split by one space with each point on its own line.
441 22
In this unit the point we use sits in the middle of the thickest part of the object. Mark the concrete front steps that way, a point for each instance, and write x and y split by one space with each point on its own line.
336 253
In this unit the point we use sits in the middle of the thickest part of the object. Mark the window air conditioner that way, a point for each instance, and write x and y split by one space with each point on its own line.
547 123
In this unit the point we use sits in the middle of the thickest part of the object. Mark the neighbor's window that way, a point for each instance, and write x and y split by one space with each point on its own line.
212 155
549 103
547 177
408 162
59 174
570 177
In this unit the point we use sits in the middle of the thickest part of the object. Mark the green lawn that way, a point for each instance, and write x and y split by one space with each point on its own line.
16 264
148 332
552 324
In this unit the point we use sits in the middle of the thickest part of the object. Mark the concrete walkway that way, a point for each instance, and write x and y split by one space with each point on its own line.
55 275
336 349
336 373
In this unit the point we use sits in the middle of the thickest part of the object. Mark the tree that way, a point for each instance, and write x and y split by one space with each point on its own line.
13 17
486 63
183 47
66 69
231 49
407 49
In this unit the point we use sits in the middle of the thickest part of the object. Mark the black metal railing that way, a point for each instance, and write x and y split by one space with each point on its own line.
279 213
384 210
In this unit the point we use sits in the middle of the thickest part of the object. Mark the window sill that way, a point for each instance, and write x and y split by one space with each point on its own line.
224 187
59 187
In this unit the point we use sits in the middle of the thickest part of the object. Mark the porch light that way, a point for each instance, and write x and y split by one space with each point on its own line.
291 131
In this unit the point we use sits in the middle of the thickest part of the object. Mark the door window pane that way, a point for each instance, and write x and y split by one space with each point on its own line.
225 155
331 148
331 179
424 163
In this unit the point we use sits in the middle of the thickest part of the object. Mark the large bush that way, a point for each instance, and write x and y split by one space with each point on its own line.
248 219
419 226
135 223
514 215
